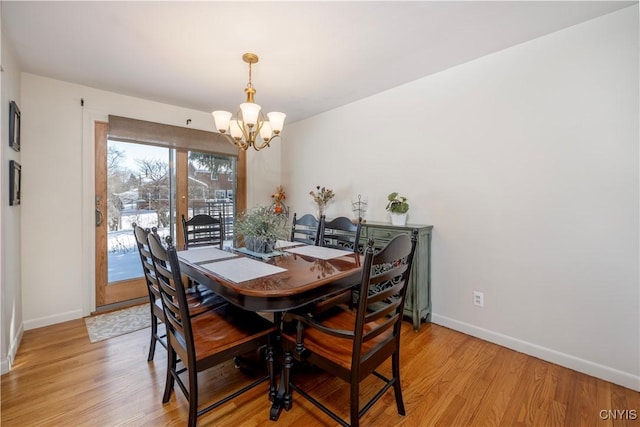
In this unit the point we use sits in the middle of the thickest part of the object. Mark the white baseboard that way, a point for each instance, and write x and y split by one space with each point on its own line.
5 364
606 373
52 320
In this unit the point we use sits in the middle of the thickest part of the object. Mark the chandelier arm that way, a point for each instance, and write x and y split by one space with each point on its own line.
261 120
246 135
242 144
235 142
260 147
266 143
242 126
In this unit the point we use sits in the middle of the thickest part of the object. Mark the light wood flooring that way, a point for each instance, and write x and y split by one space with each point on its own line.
448 378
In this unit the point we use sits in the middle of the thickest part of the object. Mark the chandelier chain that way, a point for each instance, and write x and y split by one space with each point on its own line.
249 84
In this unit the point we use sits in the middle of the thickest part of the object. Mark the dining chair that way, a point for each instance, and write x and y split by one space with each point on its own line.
203 341
341 233
352 342
199 299
306 229
203 230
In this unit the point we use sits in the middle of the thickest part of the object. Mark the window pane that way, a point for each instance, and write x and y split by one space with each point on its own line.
139 179
212 187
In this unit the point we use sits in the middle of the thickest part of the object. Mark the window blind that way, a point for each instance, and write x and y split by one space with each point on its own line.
143 132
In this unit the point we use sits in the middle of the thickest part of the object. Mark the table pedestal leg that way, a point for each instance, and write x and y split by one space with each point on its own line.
272 373
281 396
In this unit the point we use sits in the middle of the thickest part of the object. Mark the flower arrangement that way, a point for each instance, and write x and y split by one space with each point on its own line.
279 195
397 204
321 196
260 228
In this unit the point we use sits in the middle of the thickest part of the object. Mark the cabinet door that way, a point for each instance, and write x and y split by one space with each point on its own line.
382 236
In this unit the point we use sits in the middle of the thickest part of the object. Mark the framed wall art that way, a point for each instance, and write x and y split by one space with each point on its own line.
14 126
15 178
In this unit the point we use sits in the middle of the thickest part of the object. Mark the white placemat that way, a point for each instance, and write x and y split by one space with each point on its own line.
242 269
204 254
318 252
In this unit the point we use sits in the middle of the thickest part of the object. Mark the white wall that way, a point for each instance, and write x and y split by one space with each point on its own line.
263 174
526 163
58 207
11 326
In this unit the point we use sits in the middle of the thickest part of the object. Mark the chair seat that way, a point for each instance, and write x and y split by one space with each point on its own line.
226 328
197 287
338 349
200 301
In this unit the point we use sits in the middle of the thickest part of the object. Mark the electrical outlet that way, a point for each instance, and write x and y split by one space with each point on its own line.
478 298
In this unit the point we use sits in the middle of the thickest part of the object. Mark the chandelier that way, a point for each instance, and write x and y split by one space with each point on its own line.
243 131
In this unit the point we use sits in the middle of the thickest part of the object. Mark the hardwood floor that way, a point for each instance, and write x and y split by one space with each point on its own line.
448 379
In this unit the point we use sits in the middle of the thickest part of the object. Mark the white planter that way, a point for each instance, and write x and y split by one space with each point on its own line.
398 219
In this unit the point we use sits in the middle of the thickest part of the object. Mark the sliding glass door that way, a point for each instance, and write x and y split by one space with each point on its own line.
153 187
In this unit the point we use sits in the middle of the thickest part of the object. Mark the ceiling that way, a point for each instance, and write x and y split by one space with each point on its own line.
314 56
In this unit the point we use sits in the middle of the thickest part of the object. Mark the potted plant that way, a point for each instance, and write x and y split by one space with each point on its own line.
261 228
398 208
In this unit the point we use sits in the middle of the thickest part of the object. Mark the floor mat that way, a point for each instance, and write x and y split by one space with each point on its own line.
109 325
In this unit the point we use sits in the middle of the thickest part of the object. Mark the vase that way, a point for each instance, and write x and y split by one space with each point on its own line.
320 211
398 219
258 245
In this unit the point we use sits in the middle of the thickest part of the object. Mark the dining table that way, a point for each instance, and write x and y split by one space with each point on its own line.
293 276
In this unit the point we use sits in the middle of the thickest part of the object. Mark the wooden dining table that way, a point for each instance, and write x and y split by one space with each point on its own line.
292 277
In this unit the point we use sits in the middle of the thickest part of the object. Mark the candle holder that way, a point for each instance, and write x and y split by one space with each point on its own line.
359 207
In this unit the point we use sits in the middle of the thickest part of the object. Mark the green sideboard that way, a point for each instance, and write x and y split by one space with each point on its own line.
418 300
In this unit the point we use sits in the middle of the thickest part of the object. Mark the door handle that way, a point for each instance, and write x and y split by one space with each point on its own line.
99 217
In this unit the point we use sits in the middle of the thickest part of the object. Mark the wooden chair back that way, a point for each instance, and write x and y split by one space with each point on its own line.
342 233
203 230
155 303
385 277
174 300
141 235
306 229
